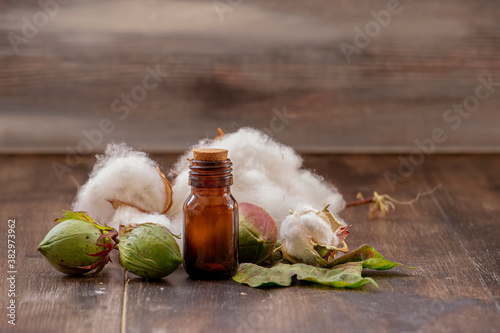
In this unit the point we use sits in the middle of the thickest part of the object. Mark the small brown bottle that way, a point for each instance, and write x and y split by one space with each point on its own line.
210 217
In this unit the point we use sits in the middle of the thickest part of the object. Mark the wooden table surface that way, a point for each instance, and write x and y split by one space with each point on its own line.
451 235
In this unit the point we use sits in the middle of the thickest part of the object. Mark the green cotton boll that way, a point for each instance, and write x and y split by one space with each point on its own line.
65 245
149 250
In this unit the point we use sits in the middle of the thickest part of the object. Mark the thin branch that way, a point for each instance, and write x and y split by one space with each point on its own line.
382 204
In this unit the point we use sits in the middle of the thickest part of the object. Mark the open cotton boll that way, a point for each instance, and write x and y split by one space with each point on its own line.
265 172
311 236
318 229
122 174
126 215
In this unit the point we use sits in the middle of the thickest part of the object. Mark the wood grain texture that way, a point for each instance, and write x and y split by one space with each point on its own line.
475 198
452 236
263 56
46 300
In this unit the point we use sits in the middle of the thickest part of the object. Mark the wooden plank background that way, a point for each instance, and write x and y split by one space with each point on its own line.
229 73
452 236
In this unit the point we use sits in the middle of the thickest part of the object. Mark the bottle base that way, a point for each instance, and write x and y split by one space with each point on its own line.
211 272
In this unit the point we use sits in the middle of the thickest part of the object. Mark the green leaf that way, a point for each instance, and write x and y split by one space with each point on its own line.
344 272
344 276
369 257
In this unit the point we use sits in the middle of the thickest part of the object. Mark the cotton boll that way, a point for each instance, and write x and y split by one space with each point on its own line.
313 225
299 247
319 230
311 236
122 174
126 215
266 173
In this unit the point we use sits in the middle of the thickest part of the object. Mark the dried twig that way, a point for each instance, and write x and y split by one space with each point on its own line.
380 205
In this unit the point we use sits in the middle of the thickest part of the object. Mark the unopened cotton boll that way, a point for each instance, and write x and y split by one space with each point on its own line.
126 175
265 172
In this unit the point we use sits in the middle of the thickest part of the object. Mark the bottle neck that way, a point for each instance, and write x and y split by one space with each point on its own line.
210 191
211 174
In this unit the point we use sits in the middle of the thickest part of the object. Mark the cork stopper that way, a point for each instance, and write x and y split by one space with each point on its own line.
210 154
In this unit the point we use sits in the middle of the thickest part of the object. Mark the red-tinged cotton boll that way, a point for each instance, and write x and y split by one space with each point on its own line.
257 233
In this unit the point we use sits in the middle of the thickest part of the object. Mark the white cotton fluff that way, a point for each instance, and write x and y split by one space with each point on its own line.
303 228
126 215
266 173
122 174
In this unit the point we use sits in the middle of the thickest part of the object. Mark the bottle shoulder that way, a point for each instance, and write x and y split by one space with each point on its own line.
195 200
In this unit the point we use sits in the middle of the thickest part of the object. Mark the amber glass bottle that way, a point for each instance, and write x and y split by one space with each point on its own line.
210 217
